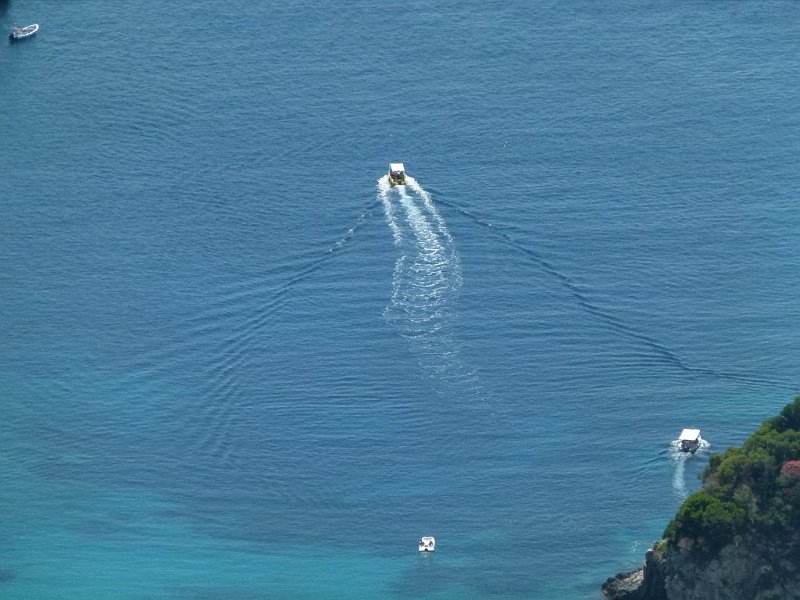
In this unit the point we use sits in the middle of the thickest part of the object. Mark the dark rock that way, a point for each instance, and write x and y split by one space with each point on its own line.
646 583
753 569
624 586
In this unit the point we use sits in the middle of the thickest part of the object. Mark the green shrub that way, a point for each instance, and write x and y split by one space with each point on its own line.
746 487
708 519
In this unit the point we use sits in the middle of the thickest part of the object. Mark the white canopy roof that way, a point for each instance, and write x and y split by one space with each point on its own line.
396 167
689 435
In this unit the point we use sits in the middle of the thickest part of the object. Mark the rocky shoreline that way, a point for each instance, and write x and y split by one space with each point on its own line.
753 568
645 583
624 586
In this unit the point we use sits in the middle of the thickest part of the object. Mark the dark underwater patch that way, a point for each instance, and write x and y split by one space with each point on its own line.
7 575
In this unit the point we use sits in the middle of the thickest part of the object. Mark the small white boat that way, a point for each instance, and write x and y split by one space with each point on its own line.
20 33
397 174
427 544
689 440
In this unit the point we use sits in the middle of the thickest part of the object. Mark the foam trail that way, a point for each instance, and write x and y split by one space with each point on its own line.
679 475
678 462
383 193
430 206
425 283
433 250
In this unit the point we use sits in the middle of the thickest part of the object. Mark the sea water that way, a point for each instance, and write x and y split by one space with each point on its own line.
236 363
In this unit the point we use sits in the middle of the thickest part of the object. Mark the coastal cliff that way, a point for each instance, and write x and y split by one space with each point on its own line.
738 538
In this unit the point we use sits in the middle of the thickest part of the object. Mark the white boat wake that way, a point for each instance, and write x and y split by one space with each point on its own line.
678 460
391 219
425 284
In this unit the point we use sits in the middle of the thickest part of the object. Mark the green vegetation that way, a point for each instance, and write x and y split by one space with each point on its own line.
755 488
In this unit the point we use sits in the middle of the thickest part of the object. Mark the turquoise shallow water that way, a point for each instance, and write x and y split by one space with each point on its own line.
234 364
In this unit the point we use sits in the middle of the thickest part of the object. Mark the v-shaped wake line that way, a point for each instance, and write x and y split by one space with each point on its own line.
661 351
221 396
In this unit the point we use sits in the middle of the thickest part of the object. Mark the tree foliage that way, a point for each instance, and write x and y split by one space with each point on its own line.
756 486
791 469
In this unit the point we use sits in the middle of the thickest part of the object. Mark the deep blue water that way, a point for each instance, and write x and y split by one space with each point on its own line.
233 364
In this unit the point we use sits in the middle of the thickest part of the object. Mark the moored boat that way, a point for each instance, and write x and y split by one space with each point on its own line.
20 33
427 544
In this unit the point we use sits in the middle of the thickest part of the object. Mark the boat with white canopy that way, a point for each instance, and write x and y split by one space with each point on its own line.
689 441
427 544
397 174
